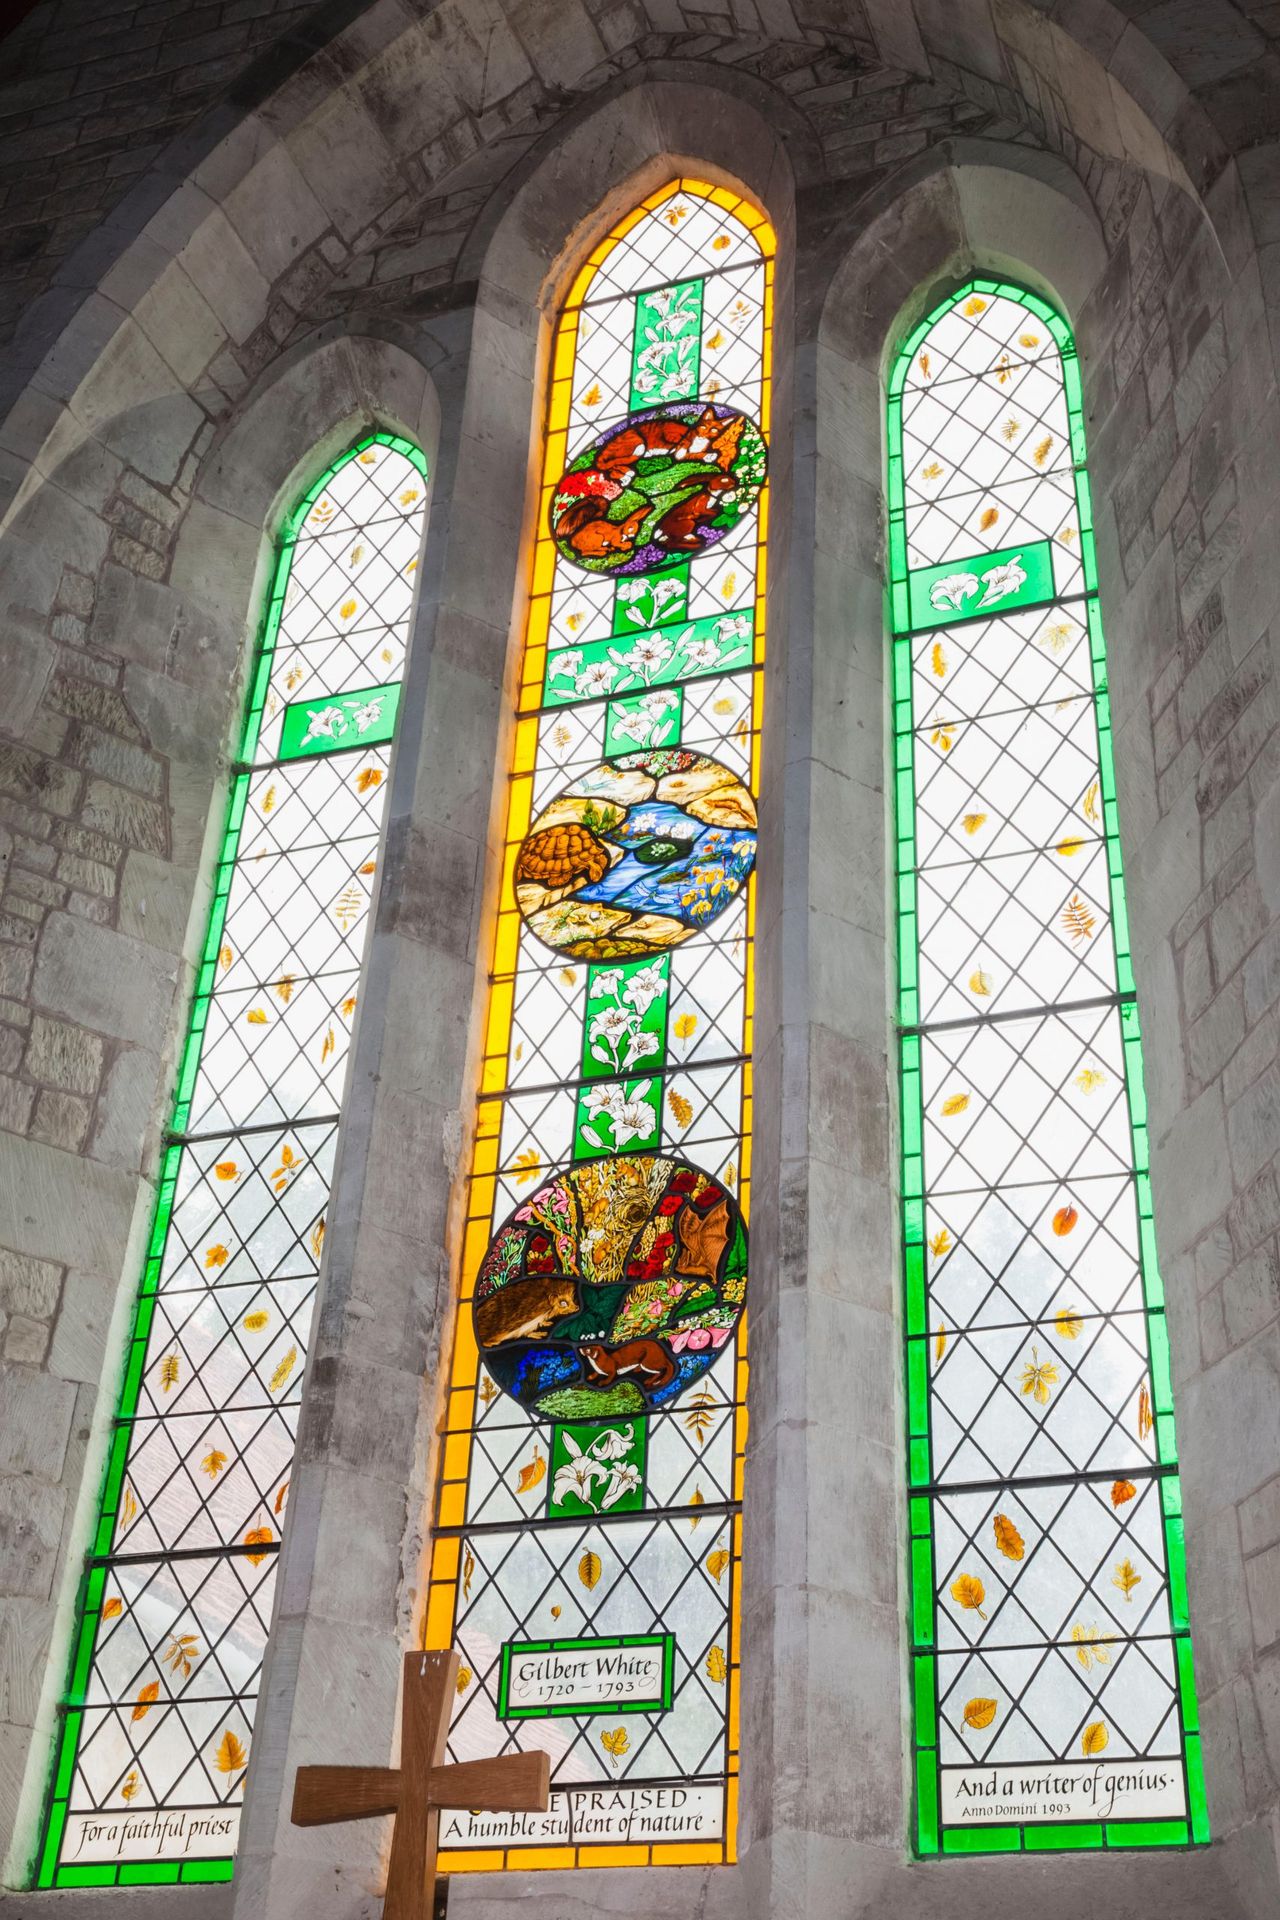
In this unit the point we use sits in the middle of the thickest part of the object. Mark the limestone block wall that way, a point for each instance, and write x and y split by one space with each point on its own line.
358 248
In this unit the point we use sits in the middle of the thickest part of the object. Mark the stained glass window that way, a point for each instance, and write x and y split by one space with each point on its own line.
157 1720
585 1562
1054 1695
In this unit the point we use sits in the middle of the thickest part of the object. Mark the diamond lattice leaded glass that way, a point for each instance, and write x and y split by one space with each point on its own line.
157 1720
586 1556
1054 1694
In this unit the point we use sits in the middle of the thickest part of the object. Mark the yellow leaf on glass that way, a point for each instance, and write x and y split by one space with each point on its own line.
316 1241
730 586
699 1417
1145 1421
981 984
1008 1539
979 1714
277 1505
1002 369
463 1680
932 472
973 307
731 1175
1090 804
717 1666
1064 1221
1067 536
256 1017
972 821
328 1044
230 1756
468 1572
615 1742
114 1606
255 1322
1069 847
569 975
720 242
593 396
1039 1378
346 610
685 1024
953 1104
1068 1323
531 1472
940 1243
938 660
182 1652
556 1612
128 1506
1011 428
357 555
268 799
1043 451
216 1256
939 1343
1090 1646
408 497
258 1537
147 1697
1094 1738
226 1170
716 341
681 1109
1122 1491
528 1163
943 736
717 1562
368 457
1028 339
696 1499
213 1463
589 1570
1077 919
283 1371
1090 1078
923 364
1056 637
169 1370
368 777
968 1592
225 956
988 519
130 1787
348 1006
283 988
1126 1577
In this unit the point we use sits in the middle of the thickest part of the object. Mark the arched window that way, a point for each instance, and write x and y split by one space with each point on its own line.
176 1602
588 1538
1054 1696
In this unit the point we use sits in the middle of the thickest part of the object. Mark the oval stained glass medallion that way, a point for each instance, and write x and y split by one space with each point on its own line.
636 855
664 485
612 1289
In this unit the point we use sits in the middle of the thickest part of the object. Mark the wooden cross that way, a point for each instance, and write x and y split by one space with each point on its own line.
415 1791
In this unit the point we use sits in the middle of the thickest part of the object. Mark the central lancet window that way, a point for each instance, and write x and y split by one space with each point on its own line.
1054 1693
589 1532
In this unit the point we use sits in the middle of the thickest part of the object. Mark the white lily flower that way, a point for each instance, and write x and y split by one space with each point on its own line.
639 1047
625 1478
565 665
643 988
953 590
597 678
611 1024
578 1474
613 1444
635 1121
606 984
1001 581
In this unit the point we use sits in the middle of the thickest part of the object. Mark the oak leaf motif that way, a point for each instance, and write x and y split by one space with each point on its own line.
717 1666
1126 1577
1122 1491
283 1371
213 1463
257 1536
1008 1539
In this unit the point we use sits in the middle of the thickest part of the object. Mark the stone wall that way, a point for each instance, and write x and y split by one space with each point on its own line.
361 242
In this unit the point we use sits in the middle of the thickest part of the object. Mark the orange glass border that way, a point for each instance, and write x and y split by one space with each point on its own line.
454 1469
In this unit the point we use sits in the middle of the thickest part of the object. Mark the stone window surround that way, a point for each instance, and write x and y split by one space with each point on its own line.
826 1161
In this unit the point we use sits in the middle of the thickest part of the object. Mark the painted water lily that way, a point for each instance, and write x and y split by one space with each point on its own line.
953 590
1003 580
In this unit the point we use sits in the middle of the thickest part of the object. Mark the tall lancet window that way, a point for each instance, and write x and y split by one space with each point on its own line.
587 1548
157 1718
1054 1696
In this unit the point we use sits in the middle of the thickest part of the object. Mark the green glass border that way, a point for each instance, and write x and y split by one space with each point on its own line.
46 1871
928 1837
619 1642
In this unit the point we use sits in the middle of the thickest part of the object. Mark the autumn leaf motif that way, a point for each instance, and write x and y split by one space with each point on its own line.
1028 340
686 1024
1145 1421
130 1787
316 1242
698 1420
932 472
328 1045
169 1370
954 1104
128 1507
681 1109
1011 428
256 1017
615 1742
488 1391
277 1505
147 1697
1068 849
923 364
979 1714
593 396
181 1653
943 736
283 988
1122 1491
230 1756
528 1163
974 306
980 983
968 1592
226 1170
717 1666
940 1243
589 1570
113 1607
255 1322
213 1463
463 1680
972 822
1039 1377
281 1175
283 1371
1056 637
1068 1323
939 1342
716 1563
1090 1078
988 519
1090 1645
215 1256
1089 807
1003 370
1094 1738
1126 1577
1008 1539
1043 451
408 497
531 1472
730 586
1064 1221
468 1572
938 660
367 778
269 799
696 1499
257 1537
225 956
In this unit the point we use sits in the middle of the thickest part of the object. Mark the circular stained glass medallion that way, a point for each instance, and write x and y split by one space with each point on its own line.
636 855
659 488
612 1289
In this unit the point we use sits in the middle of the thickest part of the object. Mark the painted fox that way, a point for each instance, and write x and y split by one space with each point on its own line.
679 526
646 1359
706 438
587 530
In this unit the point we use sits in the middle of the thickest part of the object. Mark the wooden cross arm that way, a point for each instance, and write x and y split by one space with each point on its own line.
322 1795
518 1783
